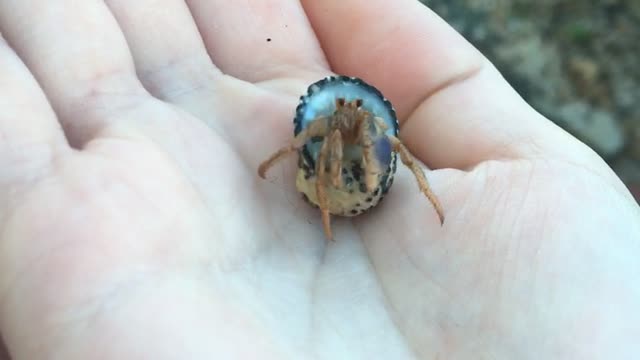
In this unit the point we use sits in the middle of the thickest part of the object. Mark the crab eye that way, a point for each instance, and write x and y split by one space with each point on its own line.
341 102
358 102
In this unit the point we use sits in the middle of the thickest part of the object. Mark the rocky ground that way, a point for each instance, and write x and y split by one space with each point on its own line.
575 62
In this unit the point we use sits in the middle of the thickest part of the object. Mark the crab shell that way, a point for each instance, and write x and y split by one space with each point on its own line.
352 197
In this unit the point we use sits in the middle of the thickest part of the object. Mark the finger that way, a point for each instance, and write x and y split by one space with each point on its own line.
455 108
26 116
30 135
168 51
79 56
258 40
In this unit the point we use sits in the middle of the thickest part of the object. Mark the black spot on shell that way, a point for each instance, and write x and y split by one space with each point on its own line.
369 199
362 188
356 170
376 191
348 180
354 212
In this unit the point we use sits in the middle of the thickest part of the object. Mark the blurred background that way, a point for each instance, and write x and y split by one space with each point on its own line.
576 62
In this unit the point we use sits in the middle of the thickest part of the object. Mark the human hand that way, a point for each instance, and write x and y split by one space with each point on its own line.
134 224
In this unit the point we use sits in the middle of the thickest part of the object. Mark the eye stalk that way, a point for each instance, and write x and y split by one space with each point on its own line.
354 104
342 102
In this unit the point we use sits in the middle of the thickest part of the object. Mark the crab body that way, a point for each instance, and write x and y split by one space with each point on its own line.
346 137
351 197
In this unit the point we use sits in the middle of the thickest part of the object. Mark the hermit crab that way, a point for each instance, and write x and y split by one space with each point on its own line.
346 137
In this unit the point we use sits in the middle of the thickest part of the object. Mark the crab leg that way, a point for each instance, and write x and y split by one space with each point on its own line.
318 127
336 144
409 161
321 188
371 166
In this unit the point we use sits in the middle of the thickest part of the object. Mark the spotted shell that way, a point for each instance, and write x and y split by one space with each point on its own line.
352 198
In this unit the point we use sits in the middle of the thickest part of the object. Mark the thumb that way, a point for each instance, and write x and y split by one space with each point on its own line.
454 107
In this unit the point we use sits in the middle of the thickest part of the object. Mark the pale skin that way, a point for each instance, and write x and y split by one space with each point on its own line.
133 223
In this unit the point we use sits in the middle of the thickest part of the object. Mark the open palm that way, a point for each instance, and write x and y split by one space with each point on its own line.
134 224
